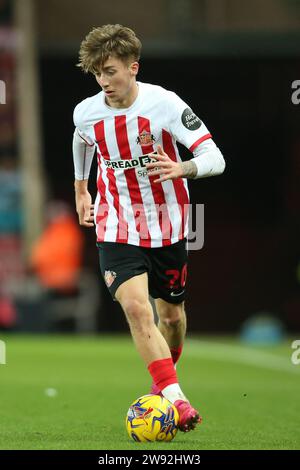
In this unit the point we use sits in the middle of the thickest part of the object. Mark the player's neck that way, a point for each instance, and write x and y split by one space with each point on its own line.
127 100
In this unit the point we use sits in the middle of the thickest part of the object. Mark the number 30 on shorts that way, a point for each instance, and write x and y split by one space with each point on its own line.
177 278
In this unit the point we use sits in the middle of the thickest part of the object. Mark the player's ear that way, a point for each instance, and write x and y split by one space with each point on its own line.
134 68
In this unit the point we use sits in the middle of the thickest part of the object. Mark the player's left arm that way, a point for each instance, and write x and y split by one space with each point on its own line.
208 161
186 127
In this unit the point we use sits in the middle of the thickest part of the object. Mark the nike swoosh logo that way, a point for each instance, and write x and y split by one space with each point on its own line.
173 294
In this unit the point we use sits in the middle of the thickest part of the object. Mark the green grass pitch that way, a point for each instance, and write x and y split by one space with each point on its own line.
249 397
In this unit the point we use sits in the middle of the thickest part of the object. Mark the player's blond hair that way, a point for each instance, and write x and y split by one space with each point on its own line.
109 40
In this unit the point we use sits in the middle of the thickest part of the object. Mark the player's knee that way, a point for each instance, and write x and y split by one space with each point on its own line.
174 322
136 310
172 316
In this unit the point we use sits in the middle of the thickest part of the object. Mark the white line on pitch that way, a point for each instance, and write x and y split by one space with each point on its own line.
240 354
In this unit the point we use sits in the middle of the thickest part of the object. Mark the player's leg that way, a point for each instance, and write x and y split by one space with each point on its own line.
124 269
152 346
134 299
172 325
167 286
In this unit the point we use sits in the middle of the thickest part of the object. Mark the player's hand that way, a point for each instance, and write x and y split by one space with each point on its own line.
164 167
85 209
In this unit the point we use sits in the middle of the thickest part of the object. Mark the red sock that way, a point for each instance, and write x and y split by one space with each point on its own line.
163 372
176 353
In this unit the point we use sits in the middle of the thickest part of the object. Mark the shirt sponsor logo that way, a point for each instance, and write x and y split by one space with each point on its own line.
145 138
190 120
131 163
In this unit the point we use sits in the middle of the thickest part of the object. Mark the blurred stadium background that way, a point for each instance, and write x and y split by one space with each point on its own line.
234 62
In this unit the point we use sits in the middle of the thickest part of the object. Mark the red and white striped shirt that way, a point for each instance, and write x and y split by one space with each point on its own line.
130 207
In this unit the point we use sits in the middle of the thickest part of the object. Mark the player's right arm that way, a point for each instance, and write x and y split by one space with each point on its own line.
83 153
84 206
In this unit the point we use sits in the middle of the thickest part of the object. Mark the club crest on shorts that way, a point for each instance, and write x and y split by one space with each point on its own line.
145 138
109 277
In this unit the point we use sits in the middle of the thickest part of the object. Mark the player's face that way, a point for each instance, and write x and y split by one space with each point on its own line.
118 81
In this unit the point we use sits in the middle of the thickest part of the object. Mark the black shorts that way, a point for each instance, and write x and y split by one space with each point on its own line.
166 267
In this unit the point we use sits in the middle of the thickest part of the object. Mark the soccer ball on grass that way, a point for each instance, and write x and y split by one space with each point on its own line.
152 418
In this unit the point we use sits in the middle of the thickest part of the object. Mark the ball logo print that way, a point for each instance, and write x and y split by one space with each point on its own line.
2 352
152 418
296 354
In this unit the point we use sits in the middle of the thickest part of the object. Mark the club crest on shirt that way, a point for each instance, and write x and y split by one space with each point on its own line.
109 277
145 138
